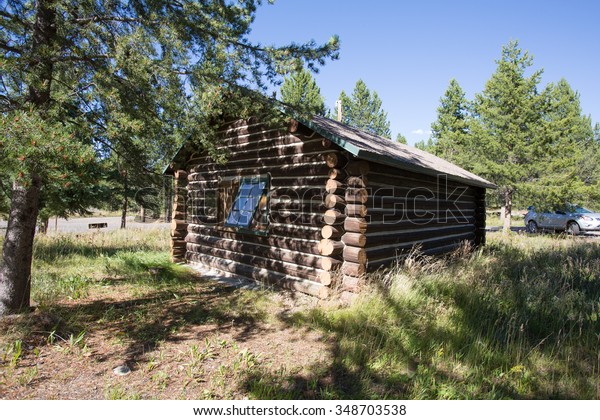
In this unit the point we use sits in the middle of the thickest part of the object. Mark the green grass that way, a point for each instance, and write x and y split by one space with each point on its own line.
517 220
68 265
518 319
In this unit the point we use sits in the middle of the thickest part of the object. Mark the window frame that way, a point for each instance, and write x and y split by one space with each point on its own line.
229 189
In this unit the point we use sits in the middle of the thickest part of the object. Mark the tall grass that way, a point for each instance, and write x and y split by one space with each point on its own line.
68 265
517 319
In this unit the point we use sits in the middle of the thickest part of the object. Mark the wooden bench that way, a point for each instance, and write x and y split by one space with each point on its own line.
97 225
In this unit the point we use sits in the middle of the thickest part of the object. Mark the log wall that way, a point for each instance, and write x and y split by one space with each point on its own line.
289 252
179 220
406 210
333 218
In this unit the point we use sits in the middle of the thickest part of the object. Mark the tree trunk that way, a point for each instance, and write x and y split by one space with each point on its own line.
125 201
17 252
44 37
508 194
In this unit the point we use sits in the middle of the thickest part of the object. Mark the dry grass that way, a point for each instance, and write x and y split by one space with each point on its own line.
517 319
108 299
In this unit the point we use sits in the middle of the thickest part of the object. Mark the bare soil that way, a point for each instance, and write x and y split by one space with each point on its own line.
202 340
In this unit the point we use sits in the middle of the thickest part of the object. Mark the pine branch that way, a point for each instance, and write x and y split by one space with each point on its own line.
16 19
74 58
106 19
4 45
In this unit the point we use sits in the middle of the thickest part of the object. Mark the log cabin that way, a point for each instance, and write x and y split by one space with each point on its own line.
315 205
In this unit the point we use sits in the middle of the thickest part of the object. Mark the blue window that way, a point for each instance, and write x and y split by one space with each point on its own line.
249 202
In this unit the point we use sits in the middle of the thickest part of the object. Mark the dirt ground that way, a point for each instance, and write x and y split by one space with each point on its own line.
206 340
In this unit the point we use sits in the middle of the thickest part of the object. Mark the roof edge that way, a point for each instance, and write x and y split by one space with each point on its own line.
386 160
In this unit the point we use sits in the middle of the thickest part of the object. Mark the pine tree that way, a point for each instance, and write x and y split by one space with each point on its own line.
450 130
84 80
563 172
506 133
301 92
591 175
537 147
401 139
363 110
426 145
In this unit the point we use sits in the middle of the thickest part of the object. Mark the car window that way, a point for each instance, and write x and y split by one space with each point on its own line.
581 210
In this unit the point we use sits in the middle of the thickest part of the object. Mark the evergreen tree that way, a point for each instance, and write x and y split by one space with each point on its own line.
4 199
450 130
301 92
537 147
83 80
564 171
401 139
363 110
592 173
426 145
506 134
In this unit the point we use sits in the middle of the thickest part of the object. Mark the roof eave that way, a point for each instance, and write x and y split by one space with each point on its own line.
330 136
373 157
385 160
170 168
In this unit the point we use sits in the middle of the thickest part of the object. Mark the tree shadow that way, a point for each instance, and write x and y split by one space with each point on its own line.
512 308
507 303
169 309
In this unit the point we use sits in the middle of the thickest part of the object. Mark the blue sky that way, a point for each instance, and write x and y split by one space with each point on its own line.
409 51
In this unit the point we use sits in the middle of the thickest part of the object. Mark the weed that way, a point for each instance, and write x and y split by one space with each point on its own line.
263 384
13 353
515 319
119 392
51 336
77 340
72 343
488 324
161 378
28 375
68 266
248 359
151 365
198 356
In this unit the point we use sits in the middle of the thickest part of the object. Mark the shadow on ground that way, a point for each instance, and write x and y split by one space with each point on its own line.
507 323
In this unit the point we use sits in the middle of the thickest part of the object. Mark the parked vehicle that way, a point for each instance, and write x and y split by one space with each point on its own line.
571 219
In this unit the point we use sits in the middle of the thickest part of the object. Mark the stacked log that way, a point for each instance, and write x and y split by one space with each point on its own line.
264 275
331 247
179 223
356 195
343 235
407 210
288 252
